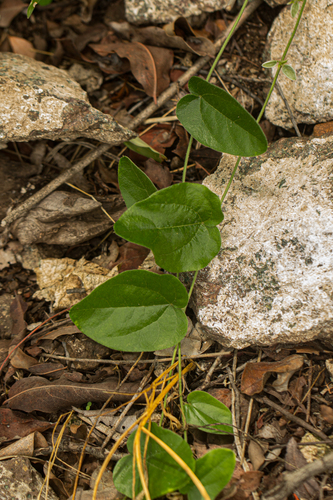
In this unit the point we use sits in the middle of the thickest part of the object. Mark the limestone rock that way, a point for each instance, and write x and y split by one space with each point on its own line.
66 281
272 281
311 55
165 11
41 101
20 481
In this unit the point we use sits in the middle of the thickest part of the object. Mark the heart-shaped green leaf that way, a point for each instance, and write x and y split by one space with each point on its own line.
203 409
134 311
218 121
178 224
214 470
164 474
142 148
133 183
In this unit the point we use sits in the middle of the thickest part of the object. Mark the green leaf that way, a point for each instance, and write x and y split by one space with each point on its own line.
164 474
214 470
270 64
141 147
178 224
203 409
31 7
289 72
218 121
294 8
133 183
134 311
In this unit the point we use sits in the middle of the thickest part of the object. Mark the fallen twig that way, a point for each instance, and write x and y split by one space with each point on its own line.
292 417
292 480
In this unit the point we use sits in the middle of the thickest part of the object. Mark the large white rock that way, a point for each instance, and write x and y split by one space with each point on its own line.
165 11
38 101
272 281
311 55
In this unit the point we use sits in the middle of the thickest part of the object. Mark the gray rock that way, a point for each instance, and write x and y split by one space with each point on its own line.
40 101
272 281
165 11
311 55
20 481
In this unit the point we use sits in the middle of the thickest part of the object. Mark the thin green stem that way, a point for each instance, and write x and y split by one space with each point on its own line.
169 375
226 41
187 157
181 391
280 65
192 285
231 178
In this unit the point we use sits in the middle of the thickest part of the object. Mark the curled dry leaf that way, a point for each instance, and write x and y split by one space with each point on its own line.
295 460
150 65
158 174
38 394
152 35
255 375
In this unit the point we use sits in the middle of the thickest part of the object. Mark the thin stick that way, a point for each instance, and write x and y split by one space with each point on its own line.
293 121
292 417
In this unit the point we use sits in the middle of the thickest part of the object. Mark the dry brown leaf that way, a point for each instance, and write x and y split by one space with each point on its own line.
131 256
326 413
22 46
14 424
250 480
18 309
53 369
62 330
149 65
256 454
155 36
255 375
8 10
21 360
159 175
37 393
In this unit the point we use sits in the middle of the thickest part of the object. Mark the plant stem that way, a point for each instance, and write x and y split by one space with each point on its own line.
280 65
226 41
216 60
187 157
181 391
192 285
169 375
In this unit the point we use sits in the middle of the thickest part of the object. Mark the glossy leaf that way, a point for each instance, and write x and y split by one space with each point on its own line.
214 470
178 224
133 183
164 474
202 409
134 311
142 148
218 121
289 72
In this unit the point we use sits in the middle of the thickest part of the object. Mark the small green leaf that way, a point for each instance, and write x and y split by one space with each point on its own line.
31 7
164 474
269 64
289 72
218 121
134 311
142 148
203 409
133 183
214 470
178 224
294 8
